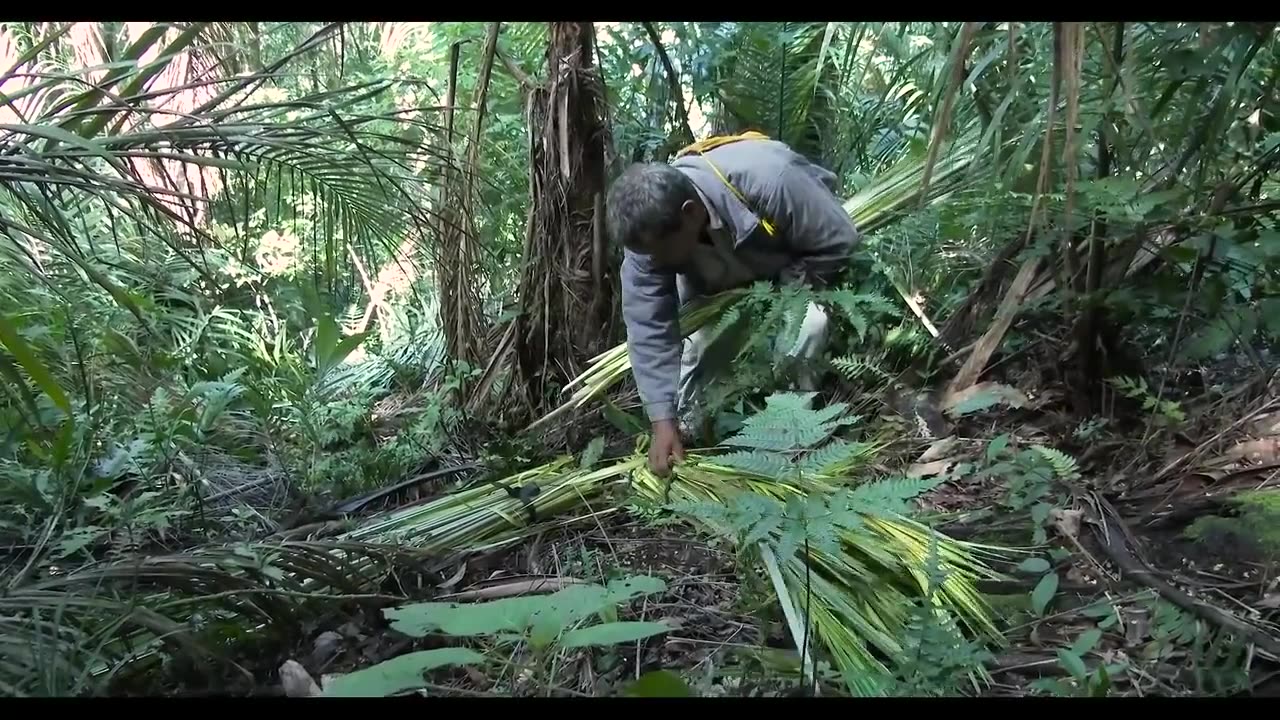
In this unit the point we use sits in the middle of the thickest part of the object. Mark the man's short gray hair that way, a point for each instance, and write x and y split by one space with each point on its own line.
644 204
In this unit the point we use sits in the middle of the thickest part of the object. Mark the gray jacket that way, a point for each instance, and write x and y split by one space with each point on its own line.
813 240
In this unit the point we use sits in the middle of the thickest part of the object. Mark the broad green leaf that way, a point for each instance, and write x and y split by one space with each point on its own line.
1102 684
326 339
628 424
997 446
518 614
984 395
1034 566
611 633
545 626
345 347
1044 592
1040 513
1086 641
1073 664
1099 610
658 683
399 674
21 352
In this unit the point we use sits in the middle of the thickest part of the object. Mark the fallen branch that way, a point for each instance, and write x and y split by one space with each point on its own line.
511 589
990 340
1113 543
355 505
1199 449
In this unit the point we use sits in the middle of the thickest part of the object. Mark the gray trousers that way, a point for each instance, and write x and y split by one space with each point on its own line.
704 356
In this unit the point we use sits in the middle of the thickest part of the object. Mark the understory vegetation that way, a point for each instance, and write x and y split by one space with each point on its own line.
314 377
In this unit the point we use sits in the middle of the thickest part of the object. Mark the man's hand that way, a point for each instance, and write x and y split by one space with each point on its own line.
665 447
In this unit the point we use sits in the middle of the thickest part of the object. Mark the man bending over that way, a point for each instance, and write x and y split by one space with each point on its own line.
725 213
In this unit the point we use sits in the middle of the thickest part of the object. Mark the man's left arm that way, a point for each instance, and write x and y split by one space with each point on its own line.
806 212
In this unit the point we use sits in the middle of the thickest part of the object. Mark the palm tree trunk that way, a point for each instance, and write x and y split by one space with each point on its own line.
566 289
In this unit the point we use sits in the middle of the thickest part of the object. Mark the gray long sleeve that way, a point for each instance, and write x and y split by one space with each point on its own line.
651 311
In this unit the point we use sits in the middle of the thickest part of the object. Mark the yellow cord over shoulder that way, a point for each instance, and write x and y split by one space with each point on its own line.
705 145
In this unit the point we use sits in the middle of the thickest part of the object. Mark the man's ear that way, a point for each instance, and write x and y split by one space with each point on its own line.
693 210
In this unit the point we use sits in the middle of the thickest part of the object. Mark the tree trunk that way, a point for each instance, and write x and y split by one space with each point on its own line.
454 253
566 289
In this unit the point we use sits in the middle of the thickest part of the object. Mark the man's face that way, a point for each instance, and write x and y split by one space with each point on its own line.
675 251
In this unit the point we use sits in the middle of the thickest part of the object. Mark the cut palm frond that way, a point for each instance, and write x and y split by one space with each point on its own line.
858 605
860 597
487 516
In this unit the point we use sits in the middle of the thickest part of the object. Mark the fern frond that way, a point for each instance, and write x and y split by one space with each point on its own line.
862 309
793 305
1064 466
888 497
855 368
729 319
760 464
788 424
833 458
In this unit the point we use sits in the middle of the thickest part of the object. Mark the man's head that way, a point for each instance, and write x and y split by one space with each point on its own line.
655 210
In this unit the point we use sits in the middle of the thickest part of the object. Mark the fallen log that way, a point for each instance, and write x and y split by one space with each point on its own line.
1113 543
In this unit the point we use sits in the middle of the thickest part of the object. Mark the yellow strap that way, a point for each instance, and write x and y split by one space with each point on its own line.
711 143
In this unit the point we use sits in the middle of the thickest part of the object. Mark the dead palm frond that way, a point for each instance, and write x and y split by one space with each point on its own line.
87 624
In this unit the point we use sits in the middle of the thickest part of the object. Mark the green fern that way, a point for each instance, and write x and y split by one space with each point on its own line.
862 310
751 518
730 318
754 462
813 523
854 369
1167 411
786 442
937 659
888 497
833 457
787 424
1064 466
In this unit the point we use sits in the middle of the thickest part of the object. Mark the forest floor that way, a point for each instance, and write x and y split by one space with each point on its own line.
1131 592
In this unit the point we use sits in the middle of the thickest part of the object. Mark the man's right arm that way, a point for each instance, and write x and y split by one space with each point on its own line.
651 310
